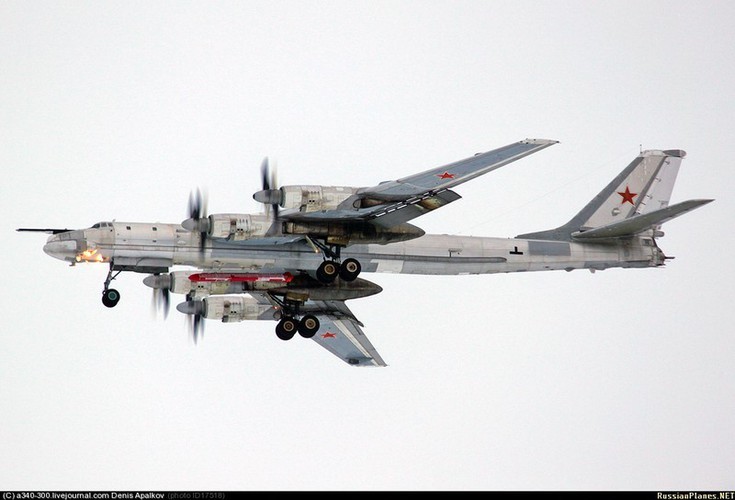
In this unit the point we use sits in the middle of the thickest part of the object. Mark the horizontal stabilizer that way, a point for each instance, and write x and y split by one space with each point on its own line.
639 223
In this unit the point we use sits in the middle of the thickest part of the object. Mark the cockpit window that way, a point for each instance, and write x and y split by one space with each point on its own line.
101 224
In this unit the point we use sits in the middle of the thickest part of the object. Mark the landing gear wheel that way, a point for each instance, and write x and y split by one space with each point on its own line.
110 297
286 328
349 270
327 271
308 326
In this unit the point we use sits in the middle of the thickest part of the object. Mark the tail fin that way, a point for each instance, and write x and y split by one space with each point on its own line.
635 201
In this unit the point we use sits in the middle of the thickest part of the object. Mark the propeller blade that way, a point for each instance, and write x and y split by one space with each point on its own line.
276 206
202 242
196 203
161 285
161 301
198 220
166 301
194 309
270 195
265 174
193 210
196 327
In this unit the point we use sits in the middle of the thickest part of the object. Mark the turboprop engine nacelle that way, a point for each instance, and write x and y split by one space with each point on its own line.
237 227
228 309
306 198
234 227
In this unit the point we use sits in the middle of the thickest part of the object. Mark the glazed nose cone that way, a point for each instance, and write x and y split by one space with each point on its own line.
62 250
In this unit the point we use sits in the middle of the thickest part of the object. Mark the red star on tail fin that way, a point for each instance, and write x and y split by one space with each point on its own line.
627 196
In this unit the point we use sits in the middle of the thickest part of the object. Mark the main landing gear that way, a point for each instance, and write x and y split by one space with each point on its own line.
327 272
110 296
291 321
306 326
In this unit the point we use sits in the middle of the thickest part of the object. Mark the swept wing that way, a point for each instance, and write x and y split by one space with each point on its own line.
453 174
342 335
340 332
394 202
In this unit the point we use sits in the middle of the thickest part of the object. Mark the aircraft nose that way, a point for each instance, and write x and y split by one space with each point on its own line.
62 250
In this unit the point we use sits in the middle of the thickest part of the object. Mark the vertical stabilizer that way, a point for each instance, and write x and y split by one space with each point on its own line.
642 187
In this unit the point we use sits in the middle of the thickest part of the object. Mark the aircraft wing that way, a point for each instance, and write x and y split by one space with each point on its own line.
394 202
341 334
453 174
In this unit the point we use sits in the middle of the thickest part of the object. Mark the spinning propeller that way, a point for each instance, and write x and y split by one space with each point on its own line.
160 300
198 220
194 310
270 195
162 285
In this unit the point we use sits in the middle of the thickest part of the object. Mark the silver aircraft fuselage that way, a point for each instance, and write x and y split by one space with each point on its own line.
155 247
298 266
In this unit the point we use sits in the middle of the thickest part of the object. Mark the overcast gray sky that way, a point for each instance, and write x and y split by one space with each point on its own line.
622 379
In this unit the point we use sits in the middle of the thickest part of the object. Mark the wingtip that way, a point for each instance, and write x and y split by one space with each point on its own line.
676 152
540 142
699 201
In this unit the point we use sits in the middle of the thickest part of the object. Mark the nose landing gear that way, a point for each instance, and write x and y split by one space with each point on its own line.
110 296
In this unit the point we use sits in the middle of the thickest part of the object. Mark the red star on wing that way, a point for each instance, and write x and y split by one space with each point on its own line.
627 196
445 175
328 335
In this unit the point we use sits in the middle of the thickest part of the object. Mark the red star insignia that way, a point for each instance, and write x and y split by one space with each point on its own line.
328 335
627 196
445 175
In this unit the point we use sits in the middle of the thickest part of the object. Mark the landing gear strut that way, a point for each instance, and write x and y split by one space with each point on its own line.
110 296
307 325
327 272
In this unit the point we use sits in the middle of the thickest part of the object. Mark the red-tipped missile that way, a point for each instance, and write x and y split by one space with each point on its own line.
240 277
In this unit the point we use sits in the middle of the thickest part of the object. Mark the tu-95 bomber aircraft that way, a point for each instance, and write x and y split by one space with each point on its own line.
301 259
